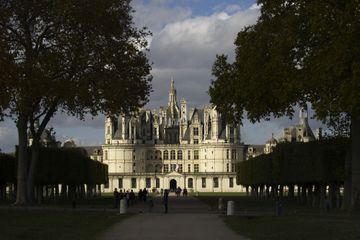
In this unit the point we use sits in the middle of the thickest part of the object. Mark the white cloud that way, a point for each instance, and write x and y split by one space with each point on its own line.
186 49
232 8
156 14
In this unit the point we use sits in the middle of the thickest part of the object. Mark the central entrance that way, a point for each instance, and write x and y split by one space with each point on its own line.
173 185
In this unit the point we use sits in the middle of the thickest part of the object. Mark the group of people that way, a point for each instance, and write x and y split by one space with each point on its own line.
129 196
178 192
143 196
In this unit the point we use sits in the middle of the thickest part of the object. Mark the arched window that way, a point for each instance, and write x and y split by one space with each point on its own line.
179 155
190 183
166 155
172 154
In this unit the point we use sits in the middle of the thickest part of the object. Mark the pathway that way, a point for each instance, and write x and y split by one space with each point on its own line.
188 219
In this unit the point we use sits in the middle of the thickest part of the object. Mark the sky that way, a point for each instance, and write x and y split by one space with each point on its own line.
186 37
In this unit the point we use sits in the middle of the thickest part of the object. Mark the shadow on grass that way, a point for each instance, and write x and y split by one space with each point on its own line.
55 224
256 218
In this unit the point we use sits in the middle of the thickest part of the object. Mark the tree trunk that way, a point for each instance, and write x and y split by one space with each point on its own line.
291 192
281 191
22 158
316 199
40 194
355 161
347 181
322 203
35 154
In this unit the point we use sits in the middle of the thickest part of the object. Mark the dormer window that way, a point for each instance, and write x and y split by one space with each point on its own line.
196 131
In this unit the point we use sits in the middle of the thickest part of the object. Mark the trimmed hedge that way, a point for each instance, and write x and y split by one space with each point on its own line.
69 166
7 168
296 163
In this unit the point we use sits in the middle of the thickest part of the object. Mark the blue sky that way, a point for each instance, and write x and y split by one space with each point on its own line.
186 36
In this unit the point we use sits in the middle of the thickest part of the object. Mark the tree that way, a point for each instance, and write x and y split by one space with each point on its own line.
298 51
75 56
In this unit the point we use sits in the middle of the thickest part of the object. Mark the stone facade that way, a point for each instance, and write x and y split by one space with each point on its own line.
175 147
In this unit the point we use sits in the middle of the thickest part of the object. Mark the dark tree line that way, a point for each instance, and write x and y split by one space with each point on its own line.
62 172
313 172
7 174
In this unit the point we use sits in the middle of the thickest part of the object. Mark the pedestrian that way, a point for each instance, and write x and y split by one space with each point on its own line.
185 192
127 198
116 198
166 200
121 195
132 197
145 193
161 192
140 195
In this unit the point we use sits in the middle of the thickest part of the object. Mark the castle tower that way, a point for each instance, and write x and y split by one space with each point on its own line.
172 113
109 129
183 118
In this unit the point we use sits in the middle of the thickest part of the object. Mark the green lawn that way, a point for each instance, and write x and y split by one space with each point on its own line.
55 224
257 220
103 202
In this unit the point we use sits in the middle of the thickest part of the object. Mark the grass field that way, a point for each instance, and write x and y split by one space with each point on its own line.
19 224
103 202
256 219
57 219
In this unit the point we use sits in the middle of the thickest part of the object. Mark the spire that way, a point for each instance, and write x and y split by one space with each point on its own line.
172 93
303 115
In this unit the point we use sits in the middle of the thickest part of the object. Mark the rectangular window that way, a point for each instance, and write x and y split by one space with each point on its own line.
227 153
203 182
190 183
120 182
233 167
108 130
172 167
216 182
196 141
180 168
196 168
227 167
196 154
231 182
189 167
189 155
196 131
166 168
133 182
157 182
233 153
148 182
106 155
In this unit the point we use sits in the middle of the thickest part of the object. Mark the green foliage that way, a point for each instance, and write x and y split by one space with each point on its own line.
297 163
69 166
81 56
7 168
297 52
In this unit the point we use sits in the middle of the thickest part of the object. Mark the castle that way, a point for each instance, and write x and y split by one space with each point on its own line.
174 147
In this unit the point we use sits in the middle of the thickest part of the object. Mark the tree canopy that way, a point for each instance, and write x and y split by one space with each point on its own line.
299 51
76 56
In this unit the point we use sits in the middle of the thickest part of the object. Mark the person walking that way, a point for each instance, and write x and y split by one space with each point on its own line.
166 200
116 198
